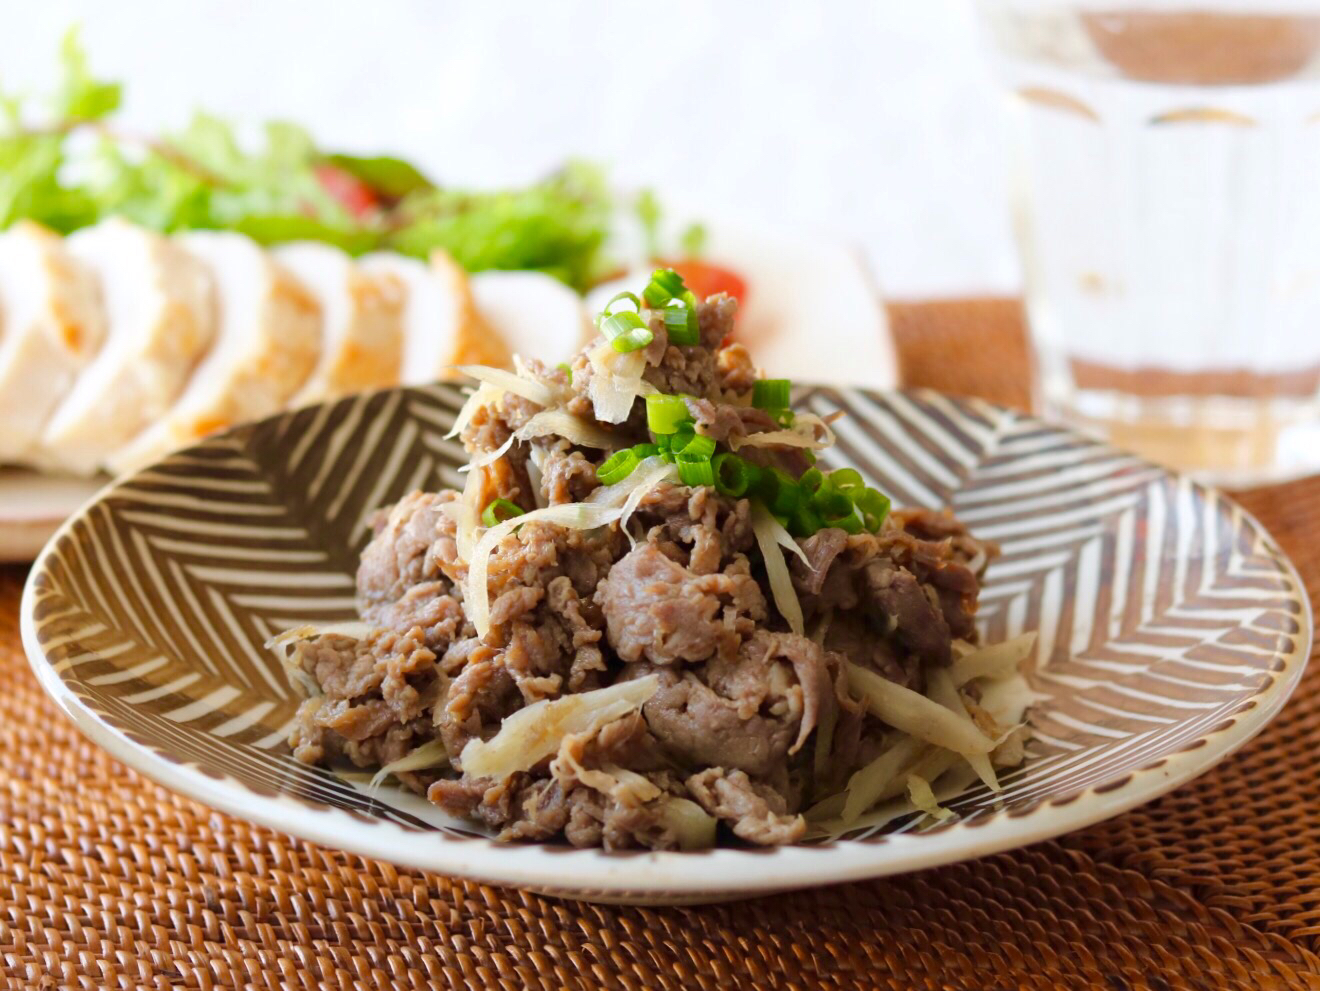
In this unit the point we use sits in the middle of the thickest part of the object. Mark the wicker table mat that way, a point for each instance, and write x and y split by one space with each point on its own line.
108 881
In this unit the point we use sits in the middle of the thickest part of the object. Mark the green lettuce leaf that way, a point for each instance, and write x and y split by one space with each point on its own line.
388 177
81 97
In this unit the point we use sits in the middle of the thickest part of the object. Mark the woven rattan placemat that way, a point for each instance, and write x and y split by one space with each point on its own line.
107 881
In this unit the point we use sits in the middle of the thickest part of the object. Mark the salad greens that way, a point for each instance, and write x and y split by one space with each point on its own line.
65 164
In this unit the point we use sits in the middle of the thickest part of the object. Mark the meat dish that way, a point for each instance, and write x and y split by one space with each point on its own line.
651 619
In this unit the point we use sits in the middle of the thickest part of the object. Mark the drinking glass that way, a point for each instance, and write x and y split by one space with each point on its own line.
1166 200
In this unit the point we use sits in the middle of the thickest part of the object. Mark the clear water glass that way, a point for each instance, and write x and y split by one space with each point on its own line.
1166 197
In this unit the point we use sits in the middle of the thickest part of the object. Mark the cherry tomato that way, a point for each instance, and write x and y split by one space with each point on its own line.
352 193
705 279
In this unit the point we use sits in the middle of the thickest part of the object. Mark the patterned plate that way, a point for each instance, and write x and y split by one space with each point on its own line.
1171 629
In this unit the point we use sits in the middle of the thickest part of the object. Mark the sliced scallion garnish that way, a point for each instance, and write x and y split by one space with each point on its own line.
733 476
626 330
847 480
779 491
804 521
665 414
874 507
695 470
499 510
681 320
771 394
618 466
852 523
665 284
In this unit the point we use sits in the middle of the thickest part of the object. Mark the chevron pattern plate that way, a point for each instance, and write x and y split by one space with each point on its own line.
1170 626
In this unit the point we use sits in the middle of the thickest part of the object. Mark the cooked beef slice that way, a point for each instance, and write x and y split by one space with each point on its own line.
566 474
659 610
735 370
372 689
428 607
745 712
756 815
821 548
399 554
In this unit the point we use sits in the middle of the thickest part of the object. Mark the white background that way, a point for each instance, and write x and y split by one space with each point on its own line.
874 120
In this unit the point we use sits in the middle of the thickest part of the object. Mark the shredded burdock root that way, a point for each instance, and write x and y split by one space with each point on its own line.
602 640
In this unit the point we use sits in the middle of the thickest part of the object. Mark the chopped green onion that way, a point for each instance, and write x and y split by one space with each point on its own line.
689 442
847 480
567 369
665 414
831 503
779 492
811 481
874 507
804 521
771 394
618 466
851 522
681 321
733 475
626 330
630 297
644 451
499 510
694 470
681 437
785 417
665 284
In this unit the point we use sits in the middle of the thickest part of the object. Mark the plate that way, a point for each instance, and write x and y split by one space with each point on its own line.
33 505
797 281
1171 629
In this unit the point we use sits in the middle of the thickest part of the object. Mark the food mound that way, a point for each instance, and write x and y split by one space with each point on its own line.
649 616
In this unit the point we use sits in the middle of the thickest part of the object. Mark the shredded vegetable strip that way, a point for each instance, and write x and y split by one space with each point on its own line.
425 757
535 732
996 661
767 530
354 629
693 827
917 715
531 389
921 795
616 382
867 786
483 395
941 689
804 433
554 422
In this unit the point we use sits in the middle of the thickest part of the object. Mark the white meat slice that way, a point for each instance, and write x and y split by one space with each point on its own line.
159 317
441 324
537 315
268 340
50 328
363 321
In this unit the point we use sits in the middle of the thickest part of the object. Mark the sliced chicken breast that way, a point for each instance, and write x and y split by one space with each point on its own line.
537 315
268 341
363 313
442 326
50 328
158 307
